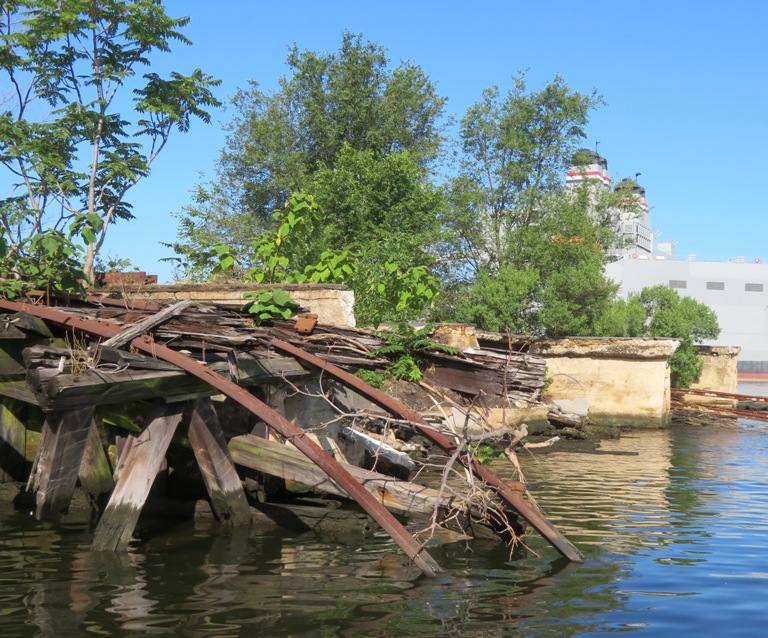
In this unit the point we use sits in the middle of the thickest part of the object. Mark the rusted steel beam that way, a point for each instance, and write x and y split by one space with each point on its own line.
701 408
413 549
721 395
511 496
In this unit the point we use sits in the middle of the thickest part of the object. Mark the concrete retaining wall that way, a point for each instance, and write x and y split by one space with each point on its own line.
625 381
720 371
332 304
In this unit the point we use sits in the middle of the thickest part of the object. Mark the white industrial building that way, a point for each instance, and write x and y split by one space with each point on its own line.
737 290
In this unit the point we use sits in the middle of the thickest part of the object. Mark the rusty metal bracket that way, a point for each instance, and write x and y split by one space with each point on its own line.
412 548
513 497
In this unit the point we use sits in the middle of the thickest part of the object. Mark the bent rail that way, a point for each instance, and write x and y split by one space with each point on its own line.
513 498
412 548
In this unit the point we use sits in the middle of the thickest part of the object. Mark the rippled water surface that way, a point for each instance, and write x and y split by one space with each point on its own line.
674 525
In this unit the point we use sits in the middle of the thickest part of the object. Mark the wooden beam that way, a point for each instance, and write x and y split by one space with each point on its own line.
59 456
95 469
13 435
58 391
278 459
221 479
129 334
138 466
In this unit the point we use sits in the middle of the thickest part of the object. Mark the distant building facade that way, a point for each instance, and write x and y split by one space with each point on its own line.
737 291
633 224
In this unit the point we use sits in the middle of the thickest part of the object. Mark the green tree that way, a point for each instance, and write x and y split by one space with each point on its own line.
388 290
559 288
345 126
531 252
65 141
380 206
515 151
667 314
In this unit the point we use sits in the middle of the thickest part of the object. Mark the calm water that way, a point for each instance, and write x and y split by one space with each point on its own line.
675 536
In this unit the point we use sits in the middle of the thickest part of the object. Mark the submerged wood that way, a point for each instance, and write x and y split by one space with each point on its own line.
278 459
95 470
219 474
139 464
58 461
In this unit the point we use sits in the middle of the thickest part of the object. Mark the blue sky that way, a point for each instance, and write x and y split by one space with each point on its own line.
685 86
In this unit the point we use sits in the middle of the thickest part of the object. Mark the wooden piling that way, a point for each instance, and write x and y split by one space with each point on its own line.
58 461
95 469
138 466
219 474
12 442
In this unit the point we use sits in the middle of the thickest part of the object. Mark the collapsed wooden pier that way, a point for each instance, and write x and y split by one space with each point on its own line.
141 376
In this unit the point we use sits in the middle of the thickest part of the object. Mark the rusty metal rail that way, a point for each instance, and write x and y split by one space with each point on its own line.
511 496
720 395
412 548
750 415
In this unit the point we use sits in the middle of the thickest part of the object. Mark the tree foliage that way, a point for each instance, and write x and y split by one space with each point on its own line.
659 311
390 292
533 253
344 126
65 141
515 151
360 137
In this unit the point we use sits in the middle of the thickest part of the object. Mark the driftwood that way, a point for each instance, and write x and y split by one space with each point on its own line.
562 420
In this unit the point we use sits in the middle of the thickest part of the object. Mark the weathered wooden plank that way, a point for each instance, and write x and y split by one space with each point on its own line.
18 390
147 324
60 454
42 356
380 451
138 466
286 462
12 442
215 462
9 331
12 355
95 469
29 323
55 391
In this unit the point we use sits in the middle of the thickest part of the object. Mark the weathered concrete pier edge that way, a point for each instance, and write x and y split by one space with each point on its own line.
625 381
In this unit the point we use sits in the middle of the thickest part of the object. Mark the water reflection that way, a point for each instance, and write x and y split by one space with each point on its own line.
672 523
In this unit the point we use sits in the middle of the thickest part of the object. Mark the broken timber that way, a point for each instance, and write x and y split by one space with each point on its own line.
413 549
508 494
